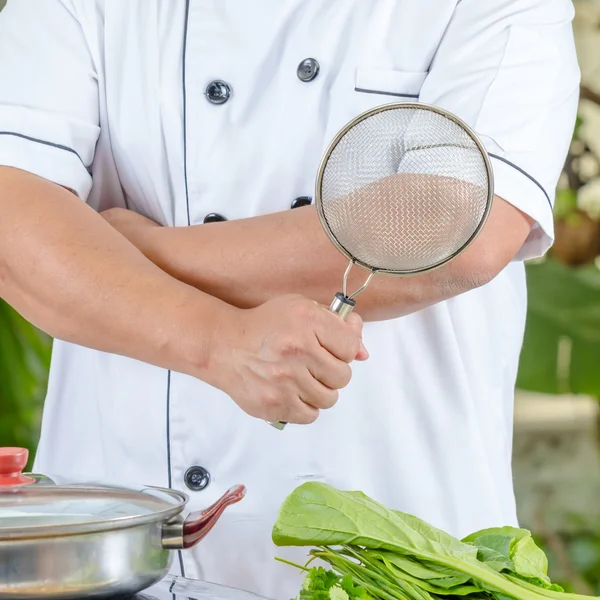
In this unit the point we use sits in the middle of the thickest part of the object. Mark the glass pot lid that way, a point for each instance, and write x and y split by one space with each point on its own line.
33 506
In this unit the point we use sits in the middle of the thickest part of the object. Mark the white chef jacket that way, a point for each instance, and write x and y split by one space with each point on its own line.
108 98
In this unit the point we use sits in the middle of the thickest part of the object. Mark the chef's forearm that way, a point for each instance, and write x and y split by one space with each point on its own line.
68 272
246 262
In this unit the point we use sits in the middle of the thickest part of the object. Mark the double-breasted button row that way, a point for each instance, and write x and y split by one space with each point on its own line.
219 91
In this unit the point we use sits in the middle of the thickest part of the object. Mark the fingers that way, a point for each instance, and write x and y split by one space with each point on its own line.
329 370
342 339
317 395
289 408
299 413
356 322
303 405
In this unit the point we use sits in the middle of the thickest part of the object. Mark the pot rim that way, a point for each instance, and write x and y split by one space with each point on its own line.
34 532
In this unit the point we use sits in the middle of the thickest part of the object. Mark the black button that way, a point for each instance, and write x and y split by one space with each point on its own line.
214 218
308 69
218 92
302 201
196 478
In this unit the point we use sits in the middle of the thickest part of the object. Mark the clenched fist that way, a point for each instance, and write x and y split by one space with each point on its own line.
287 359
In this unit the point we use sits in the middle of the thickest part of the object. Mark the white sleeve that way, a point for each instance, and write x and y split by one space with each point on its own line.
509 69
49 122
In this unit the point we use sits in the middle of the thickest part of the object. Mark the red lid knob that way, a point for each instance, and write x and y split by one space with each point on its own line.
12 463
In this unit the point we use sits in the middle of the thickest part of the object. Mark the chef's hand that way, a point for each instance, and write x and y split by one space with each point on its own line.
287 359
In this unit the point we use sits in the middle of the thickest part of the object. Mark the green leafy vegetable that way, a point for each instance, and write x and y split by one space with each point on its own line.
513 550
383 554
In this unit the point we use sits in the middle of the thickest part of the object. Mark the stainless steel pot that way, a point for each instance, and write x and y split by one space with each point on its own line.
71 540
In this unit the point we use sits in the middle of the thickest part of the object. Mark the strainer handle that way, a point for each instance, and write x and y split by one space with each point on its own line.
341 306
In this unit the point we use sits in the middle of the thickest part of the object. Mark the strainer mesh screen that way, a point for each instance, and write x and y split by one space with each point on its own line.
404 189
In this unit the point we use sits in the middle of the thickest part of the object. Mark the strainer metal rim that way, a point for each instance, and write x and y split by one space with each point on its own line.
365 115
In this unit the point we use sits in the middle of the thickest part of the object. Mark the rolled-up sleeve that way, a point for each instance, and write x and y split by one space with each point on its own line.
49 122
509 69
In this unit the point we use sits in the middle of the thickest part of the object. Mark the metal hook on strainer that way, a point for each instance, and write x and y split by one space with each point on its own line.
402 189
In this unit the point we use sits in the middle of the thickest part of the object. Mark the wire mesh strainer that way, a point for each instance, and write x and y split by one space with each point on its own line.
402 189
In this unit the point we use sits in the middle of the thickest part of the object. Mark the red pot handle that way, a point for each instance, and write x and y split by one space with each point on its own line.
199 523
12 463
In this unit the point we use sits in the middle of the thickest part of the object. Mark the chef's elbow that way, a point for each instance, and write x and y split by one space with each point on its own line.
501 240
484 262
479 269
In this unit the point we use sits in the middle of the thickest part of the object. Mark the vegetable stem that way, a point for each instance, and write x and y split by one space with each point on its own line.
550 593
290 563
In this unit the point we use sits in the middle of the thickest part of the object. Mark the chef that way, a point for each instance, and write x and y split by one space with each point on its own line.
159 159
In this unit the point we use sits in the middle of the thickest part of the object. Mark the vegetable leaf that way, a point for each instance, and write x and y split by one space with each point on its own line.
494 550
512 549
315 513
321 584
529 559
353 591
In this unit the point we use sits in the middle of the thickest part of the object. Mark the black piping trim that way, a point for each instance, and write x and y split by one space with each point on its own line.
385 93
170 479
170 475
187 200
500 158
45 143
185 36
181 563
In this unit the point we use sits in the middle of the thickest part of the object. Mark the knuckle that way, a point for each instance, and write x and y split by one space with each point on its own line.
272 400
303 309
291 346
355 320
306 414
325 398
280 374
349 352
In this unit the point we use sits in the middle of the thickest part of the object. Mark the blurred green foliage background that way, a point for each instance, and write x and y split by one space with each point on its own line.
24 362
